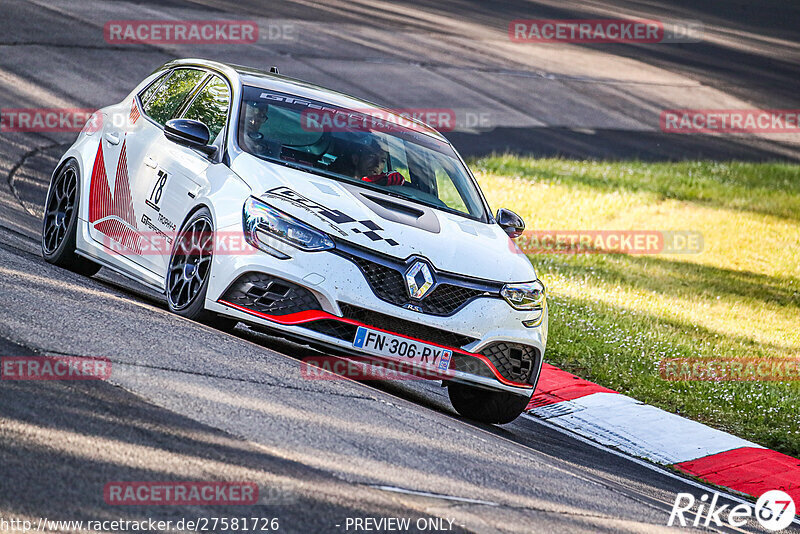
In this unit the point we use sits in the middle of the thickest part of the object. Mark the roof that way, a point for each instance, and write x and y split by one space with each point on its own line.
296 87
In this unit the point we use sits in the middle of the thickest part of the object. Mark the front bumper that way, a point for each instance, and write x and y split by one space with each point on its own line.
324 297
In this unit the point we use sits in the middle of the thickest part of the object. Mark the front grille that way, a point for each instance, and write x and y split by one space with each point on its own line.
268 294
514 362
447 298
389 285
406 328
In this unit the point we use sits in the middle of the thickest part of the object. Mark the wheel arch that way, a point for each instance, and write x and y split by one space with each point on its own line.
194 209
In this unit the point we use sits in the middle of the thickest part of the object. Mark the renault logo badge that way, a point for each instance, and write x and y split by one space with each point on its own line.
419 280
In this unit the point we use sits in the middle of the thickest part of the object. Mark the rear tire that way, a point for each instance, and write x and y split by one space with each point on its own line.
60 222
485 406
189 271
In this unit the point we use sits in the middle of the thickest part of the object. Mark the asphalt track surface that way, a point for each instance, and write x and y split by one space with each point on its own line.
188 402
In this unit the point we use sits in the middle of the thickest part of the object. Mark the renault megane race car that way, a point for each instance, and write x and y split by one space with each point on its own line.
359 230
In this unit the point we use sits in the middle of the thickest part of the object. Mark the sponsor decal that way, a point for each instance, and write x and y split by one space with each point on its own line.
163 221
768 121
297 199
54 368
774 510
159 234
365 227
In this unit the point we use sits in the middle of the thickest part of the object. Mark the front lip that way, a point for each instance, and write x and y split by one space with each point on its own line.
307 316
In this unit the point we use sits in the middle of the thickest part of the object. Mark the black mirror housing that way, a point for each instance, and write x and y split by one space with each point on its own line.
190 133
510 222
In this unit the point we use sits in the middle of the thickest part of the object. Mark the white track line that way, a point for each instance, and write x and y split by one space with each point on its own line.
434 495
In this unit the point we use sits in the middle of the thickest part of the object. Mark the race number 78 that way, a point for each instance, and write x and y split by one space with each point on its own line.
158 189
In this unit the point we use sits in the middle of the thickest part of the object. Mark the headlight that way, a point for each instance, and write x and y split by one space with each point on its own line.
525 296
263 223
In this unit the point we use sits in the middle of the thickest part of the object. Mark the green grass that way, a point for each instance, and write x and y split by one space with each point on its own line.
614 317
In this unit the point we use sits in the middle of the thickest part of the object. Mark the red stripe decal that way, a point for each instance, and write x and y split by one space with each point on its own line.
315 315
134 116
99 192
749 470
122 228
556 385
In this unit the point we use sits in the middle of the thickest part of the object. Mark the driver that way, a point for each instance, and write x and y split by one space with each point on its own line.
255 116
369 161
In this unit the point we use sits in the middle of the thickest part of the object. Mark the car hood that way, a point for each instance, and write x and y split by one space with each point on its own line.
387 224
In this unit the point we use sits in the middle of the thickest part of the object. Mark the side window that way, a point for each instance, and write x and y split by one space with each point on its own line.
210 106
169 97
145 95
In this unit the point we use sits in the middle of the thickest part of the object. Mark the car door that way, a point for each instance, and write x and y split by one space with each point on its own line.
180 171
157 198
111 212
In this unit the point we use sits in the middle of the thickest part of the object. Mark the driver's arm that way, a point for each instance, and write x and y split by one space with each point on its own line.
385 178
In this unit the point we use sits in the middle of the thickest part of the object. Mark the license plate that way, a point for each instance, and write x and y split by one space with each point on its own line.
402 349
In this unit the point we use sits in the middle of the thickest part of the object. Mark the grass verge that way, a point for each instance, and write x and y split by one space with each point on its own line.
614 317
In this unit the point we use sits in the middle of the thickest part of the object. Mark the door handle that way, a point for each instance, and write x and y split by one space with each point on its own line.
150 162
112 138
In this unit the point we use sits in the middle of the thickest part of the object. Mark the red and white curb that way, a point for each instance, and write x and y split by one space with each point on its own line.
621 422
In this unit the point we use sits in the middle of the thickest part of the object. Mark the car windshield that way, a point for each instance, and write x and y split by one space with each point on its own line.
386 153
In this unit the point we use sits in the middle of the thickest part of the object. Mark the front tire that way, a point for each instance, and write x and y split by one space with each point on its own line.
60 222
485 406
189 271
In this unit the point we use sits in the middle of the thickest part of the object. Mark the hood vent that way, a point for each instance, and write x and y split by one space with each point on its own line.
398 210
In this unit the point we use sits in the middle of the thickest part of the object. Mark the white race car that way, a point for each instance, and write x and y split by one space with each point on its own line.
244 195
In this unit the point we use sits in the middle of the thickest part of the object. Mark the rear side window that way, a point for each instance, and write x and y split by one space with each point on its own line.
145 95
169 97
210 106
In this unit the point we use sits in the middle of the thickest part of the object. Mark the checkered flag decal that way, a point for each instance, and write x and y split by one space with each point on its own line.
372 232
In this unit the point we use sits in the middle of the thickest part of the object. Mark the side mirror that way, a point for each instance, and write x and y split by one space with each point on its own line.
510 222
191 133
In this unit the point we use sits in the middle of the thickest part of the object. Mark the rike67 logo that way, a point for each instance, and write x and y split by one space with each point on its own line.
774 510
